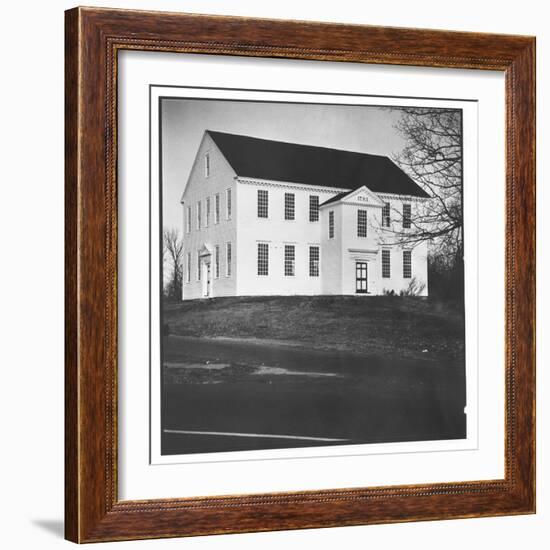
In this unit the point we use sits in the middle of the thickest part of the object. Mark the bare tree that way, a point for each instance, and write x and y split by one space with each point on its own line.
433 159
172 253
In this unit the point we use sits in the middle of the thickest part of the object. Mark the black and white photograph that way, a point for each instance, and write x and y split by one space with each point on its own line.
312 289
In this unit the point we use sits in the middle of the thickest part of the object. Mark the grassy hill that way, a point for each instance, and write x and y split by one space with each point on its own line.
393 326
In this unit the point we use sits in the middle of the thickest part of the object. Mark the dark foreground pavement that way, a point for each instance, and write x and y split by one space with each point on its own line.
235 395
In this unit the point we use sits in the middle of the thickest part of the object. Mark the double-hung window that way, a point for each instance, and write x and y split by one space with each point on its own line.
228 204
314 261
289 206
386 215
386 265
207 212
188 220
228 259
290 260
313 208
263 203
331 224
188 268
199 215
217 208
217 261
207 165
198 266
263 259
406 216
407 264
361 223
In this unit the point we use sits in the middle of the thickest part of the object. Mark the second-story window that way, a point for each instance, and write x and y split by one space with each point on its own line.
406 216
207 165
217 208
289 206
263 203
207 212
313 208
386 215
228 204
361 223
188 220
199 215
331 224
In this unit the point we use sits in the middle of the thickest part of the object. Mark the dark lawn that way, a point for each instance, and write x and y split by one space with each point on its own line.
388 326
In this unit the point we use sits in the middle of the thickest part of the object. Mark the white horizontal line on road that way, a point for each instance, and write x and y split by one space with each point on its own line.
268 436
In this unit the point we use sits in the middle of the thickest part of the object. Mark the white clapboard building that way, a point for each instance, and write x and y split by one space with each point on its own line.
264 217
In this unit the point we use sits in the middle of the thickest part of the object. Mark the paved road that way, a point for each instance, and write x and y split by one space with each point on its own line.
222 395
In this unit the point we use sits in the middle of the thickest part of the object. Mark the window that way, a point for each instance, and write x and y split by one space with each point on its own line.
290 254
198 266
289 206
217 261
228 259
386 215
188 268
406 216
313 208
263 259
386 266
217 208
331 224
207 165
361 223
228 204
207 212
188 227
314 261
263 204
407 264
199 215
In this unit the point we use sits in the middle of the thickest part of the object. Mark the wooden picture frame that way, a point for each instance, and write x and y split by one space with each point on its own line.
93 39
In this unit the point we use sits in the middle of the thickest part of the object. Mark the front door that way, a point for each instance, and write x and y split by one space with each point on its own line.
361 278
207 282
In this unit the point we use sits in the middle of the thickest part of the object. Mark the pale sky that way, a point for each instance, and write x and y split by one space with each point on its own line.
349 127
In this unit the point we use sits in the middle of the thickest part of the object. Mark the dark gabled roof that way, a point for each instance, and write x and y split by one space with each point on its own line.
320 166
337 197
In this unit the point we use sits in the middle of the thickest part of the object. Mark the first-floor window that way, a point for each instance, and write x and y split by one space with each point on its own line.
314 261
198 266
263 259
188 268
386 266
407 264
217 261
290 256
361 223
228 259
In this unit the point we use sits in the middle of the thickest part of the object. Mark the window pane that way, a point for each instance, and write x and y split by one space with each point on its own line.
361 223
331 224
289 206
228 259
262 203
313 208
386 266
407 264
217 261
386 215
289 259
406 216
228 204
314 261
217 209
263 259
207 211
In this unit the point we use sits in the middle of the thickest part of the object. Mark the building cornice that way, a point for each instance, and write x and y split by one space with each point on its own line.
395 196
290 185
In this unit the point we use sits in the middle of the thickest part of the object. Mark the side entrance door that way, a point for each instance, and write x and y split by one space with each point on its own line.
207 283
361 278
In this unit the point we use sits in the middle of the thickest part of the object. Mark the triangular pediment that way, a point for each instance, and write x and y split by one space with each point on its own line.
362 196
204 250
